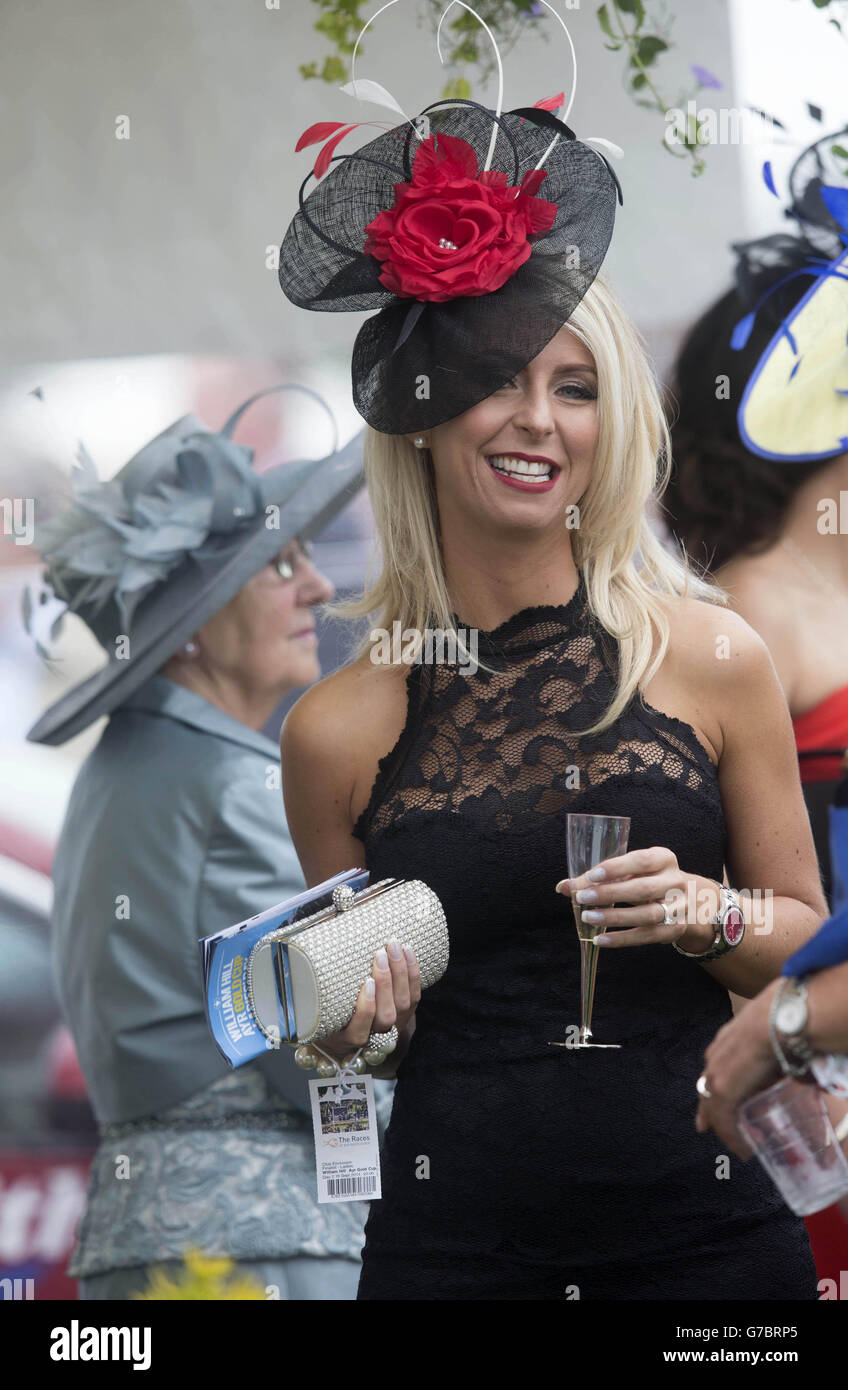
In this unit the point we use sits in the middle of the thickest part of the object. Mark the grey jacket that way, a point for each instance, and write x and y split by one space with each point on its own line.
174 829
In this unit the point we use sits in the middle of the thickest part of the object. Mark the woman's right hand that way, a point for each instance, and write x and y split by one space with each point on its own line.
389 997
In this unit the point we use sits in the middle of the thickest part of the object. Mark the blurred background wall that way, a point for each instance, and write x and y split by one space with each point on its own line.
157 243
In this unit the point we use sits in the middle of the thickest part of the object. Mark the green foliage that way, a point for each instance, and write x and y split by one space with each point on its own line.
628 24
840 152
634 7
459 87
838 6
341 21
647 50
606 24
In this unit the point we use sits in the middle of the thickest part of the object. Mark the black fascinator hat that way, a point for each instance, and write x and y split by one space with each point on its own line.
474 232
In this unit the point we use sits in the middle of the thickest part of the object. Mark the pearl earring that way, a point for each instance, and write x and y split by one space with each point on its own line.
418 441
190 648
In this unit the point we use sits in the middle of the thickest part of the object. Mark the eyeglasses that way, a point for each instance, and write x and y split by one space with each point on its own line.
285 568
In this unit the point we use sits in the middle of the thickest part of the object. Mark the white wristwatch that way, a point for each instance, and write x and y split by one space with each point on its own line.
787 1021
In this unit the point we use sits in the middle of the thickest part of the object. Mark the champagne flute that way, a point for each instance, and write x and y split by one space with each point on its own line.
591 839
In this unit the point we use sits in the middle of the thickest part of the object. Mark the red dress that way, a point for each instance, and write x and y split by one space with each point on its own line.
821 737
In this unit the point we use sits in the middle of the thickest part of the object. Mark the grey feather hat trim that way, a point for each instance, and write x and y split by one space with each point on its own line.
148 557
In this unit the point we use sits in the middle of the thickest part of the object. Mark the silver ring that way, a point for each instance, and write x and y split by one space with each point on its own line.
702 1086
379 1045
669 920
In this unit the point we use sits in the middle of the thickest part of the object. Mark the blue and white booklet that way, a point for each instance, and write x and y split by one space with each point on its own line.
237 1034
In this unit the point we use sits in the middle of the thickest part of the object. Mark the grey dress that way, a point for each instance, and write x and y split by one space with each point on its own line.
174 829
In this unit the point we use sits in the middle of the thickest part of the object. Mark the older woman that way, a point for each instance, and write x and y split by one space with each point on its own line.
173 831
511 491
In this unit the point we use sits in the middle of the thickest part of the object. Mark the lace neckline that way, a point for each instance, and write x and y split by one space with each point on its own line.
533 627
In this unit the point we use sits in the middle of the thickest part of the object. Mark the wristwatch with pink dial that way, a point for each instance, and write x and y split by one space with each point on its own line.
729 928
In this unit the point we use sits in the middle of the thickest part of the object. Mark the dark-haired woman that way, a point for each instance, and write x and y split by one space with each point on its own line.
757 525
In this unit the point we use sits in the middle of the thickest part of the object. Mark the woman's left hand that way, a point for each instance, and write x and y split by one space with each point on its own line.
648 879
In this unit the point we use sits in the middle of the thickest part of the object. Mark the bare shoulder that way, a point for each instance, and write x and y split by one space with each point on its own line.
714 663
347 721
713 646
362 690
701 632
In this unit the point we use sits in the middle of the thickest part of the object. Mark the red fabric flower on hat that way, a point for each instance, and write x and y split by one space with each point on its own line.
454 232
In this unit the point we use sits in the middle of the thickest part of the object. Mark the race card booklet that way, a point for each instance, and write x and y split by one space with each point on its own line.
237 1034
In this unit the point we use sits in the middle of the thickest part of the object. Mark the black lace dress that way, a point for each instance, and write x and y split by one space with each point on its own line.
513 1169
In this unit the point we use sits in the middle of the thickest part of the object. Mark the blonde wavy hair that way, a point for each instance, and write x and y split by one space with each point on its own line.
624 563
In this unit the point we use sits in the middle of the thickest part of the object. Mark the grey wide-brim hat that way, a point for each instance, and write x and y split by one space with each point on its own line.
150 556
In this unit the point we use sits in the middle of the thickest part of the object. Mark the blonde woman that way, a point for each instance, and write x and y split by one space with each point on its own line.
516 446
513 1169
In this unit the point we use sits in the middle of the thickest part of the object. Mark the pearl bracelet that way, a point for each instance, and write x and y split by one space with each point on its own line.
371 1054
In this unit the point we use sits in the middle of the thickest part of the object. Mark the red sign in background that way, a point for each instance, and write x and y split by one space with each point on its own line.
42 1196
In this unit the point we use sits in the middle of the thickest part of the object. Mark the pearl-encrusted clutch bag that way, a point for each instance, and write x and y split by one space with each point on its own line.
303 979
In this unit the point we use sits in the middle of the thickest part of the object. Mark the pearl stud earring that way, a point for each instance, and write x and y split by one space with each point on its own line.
190 648
418 441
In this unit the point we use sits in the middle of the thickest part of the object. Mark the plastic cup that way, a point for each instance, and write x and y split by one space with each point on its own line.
791 1134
